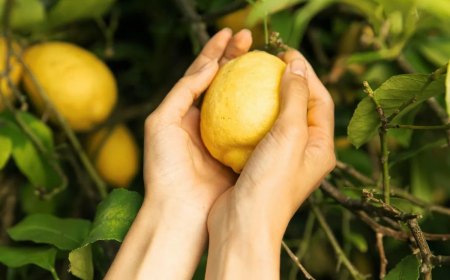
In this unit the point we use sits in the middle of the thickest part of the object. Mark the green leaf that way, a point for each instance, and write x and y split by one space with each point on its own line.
40 129
26 14
262 8
28 159
114 216
447 89
436 50
5 150
17 257
358 241
421 180
64 234
438 8
391 95
112 222
81 263
406 206
406 269
67 11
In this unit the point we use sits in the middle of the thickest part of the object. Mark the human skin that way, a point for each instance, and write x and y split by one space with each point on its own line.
190 196
247 222
181 178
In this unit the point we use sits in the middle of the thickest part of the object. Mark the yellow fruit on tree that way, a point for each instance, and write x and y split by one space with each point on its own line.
15 70
241 106
80 85
237 20
115 155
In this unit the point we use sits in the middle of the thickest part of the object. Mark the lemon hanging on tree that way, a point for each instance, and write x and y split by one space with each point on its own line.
115 155
15 71
80 85
241 106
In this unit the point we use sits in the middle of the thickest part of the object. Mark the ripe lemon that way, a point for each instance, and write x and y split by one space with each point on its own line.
115 155
237 21
241 106
15 71
80 85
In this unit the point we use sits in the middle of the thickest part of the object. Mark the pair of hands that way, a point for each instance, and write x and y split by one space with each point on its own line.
190 195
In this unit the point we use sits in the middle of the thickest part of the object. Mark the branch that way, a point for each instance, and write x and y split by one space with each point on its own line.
440 260
383 259
421 127
337 248
350 170
197 26
297 261
228 9
425 252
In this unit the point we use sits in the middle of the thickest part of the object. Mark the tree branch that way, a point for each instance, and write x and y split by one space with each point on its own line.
297 261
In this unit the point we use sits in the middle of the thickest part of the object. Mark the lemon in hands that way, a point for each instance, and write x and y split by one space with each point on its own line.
115 155
15 71
241 106
80 85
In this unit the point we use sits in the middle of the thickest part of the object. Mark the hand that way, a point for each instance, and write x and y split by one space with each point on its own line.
247 222
182 180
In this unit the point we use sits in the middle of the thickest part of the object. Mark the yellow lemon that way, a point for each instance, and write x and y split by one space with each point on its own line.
237 21
241 106
14 74
80 85
115 155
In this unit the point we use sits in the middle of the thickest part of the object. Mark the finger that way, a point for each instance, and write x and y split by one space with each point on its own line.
178 101
213 50
320 105
238 45
294 95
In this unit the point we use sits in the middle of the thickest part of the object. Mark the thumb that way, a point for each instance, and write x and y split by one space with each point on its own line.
294 94
182 96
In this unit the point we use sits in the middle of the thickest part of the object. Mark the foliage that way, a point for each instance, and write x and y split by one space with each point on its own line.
57 221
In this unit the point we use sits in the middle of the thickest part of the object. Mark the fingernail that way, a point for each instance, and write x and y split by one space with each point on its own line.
298 67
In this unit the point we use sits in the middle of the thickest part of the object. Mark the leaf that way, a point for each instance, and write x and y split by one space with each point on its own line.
398 157
28 159
358 241
5 150
436 50
447 89
262 8
67 11
391 95
303 16
17 257
438 8
40 129
81 263
25 14
114 216
64 234
422 184
406 206
112 221
406 269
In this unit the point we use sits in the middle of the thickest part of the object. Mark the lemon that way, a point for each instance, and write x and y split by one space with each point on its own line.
15 71
115 155
80 85
237 21
241 106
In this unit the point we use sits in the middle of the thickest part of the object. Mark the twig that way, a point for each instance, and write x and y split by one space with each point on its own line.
337 248
198 27
384 159
99 183
421 127
395 191
441 113
304 243
383 259
297 261
425 252
440 260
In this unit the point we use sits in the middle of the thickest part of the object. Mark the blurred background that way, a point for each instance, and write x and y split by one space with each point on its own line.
147 45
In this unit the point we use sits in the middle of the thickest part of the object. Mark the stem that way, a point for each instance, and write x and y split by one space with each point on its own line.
266 30
383 259
421 127
337 248
385 165
303 244
99 183
425 252
54 274
297 261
